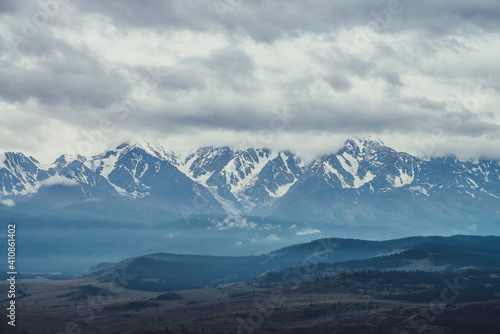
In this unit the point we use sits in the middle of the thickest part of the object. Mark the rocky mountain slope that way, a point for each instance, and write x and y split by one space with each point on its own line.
363 182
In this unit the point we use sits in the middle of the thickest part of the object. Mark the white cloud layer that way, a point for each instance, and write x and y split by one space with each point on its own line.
7 202
234 222
59 180
308 231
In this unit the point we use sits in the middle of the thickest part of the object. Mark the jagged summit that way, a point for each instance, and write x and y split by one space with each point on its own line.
356 143
122 146
365 141
156 150
363 144
365 176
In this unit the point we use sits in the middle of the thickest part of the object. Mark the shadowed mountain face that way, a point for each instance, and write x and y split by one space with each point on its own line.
364 184
164 272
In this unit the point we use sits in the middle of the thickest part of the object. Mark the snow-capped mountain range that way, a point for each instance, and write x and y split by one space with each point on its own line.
363 181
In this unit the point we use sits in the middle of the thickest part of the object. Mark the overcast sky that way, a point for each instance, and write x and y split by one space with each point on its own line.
423 76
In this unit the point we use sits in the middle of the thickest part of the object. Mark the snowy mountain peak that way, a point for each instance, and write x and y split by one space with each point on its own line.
255 181
154 150
69 158
12 160
362 143
2 161
65 160
148 147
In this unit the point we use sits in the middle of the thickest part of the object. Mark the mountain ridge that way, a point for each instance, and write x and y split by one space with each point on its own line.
364 181
166 271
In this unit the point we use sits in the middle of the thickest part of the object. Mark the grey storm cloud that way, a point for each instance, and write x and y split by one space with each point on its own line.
66 77
229 64
359 67
215 68
179 78
268 20
8 6
338 82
